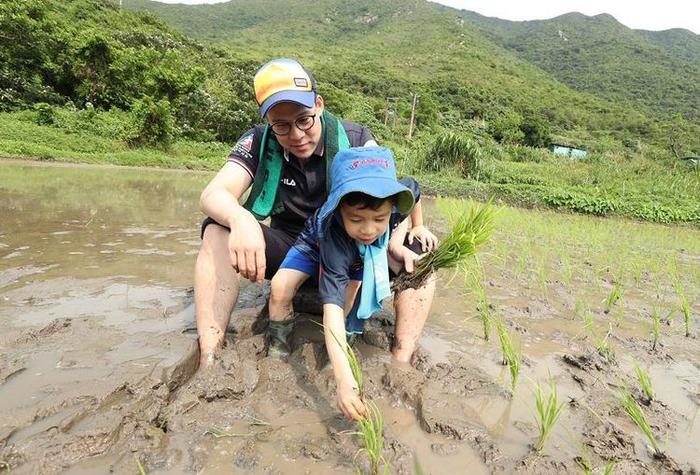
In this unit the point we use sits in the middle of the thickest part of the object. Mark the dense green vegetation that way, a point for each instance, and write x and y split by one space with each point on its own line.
659 71
82 80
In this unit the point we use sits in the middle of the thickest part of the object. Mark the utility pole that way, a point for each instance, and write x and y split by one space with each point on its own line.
390 110
413 115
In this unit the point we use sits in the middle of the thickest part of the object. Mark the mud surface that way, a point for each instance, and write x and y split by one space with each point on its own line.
98 357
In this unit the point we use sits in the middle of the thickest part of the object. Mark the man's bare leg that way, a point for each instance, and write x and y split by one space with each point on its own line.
216 286
412 307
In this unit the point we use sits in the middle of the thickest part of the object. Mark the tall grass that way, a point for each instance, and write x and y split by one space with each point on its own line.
451 149
470 229
632 408
644 381
510 357
548 411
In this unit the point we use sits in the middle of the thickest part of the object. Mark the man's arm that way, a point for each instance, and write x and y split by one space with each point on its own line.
220 201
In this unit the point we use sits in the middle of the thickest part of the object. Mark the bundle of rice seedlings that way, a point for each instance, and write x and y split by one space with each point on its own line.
548 411
470 230
644 381
510 357
635 412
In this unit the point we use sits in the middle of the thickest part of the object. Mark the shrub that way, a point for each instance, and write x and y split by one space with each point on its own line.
152 122
44 113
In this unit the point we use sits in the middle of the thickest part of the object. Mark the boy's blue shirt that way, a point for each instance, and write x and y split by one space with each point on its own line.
337 253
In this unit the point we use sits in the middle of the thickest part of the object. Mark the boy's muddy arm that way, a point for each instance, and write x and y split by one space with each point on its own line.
334 332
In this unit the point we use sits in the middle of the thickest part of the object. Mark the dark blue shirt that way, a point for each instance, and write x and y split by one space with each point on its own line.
337 253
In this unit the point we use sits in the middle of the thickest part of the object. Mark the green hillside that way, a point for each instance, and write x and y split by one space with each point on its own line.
82 80
659 71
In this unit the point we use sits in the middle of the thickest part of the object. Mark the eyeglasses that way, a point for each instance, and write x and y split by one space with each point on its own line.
302 123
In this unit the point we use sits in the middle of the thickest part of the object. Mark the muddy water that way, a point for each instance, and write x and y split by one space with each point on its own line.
98 357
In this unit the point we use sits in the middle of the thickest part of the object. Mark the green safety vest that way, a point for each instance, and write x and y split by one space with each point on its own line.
264 200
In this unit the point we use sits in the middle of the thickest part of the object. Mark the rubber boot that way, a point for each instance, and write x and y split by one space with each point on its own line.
278 336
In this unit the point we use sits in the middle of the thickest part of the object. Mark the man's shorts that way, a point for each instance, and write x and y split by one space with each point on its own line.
277 243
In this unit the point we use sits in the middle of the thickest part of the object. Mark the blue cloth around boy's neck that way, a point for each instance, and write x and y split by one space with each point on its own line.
375 276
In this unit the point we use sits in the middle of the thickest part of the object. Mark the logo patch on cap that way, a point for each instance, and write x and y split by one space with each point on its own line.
301 82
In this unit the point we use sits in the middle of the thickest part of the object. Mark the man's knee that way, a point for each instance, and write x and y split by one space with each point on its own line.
214 239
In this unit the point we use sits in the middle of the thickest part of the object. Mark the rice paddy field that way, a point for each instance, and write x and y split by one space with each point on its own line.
570 346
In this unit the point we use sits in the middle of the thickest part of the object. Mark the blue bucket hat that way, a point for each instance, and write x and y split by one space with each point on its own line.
370 170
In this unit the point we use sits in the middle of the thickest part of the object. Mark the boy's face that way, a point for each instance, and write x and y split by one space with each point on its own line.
365 225
301 143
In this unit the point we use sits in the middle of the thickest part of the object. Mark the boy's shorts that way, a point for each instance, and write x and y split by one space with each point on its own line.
298 259
305 259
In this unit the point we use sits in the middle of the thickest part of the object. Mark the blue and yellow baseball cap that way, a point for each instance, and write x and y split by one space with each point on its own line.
370 170
283 80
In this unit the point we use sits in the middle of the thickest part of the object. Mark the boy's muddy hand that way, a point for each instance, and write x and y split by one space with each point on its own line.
350 403
405 257
427 239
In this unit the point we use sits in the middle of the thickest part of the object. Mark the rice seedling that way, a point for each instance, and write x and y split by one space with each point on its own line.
371 432
603 346
655 326
219 433
644 381
613 297
355 366
579 309
371 428
632 409
470 230
139 465
687 314
588 470
475 282
510 357
417 468
548 411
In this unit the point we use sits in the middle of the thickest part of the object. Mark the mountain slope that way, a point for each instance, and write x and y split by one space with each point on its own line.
393 48
659 71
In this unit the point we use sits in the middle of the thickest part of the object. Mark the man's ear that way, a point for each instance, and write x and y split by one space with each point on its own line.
319 103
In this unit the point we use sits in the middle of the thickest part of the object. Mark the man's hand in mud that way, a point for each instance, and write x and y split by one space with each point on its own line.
350 403
427 239
246 247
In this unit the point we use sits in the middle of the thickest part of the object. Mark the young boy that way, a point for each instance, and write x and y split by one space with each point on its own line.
345 245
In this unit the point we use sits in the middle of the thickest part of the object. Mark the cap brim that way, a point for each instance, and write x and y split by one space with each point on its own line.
304 98
377 187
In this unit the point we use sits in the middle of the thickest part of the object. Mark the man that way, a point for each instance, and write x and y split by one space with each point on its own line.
286 161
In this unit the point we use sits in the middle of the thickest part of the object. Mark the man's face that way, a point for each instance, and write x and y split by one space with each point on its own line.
366 225
301 143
